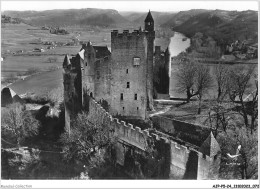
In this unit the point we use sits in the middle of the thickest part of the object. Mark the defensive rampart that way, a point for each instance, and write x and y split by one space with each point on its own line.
185 162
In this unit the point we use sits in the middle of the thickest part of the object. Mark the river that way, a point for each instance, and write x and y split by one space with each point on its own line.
177 45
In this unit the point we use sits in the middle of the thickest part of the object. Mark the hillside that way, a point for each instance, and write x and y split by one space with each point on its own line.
131 15
224 26
70 17
159 17
182 16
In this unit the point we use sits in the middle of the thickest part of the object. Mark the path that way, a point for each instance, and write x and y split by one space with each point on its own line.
166 109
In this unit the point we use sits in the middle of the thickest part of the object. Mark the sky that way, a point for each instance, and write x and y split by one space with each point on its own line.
138 6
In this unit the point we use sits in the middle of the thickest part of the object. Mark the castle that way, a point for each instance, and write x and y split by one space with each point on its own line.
124 78
127 78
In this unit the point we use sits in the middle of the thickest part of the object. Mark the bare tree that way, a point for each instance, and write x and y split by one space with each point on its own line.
219 118
246 163
18 124
221 73
240 86
203 82
55 96
185 78
252 107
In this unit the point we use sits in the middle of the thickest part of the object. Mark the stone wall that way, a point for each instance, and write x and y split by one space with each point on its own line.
124 48
103 79
123 132
177 160
195 134
179 157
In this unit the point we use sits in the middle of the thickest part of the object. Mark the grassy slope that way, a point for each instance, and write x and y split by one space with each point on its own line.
17 64
212 93
39 84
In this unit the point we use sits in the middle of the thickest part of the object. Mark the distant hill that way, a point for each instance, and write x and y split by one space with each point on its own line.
182 16
159 17
224 26
131 15
89 16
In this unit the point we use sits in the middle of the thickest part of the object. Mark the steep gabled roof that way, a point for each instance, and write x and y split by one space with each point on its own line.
149 17
81 53
66 61
8 96
210 146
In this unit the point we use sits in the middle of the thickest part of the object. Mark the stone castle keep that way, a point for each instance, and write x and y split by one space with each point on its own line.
125 79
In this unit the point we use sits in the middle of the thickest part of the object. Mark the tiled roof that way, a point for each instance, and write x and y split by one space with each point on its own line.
210 146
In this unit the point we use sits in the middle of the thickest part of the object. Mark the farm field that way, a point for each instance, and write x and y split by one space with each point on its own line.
17 64
18 42
22 37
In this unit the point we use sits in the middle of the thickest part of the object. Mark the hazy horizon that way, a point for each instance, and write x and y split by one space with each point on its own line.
129 6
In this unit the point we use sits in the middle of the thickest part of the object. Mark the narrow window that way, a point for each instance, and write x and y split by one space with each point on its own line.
128 85
137 108
135 96
127 71
91 94
98 74
123 108
121 96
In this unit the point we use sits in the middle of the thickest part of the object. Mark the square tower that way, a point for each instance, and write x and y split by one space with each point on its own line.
132 71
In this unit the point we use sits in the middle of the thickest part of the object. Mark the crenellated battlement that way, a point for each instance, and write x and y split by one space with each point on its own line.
135 135
127 39
115 33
